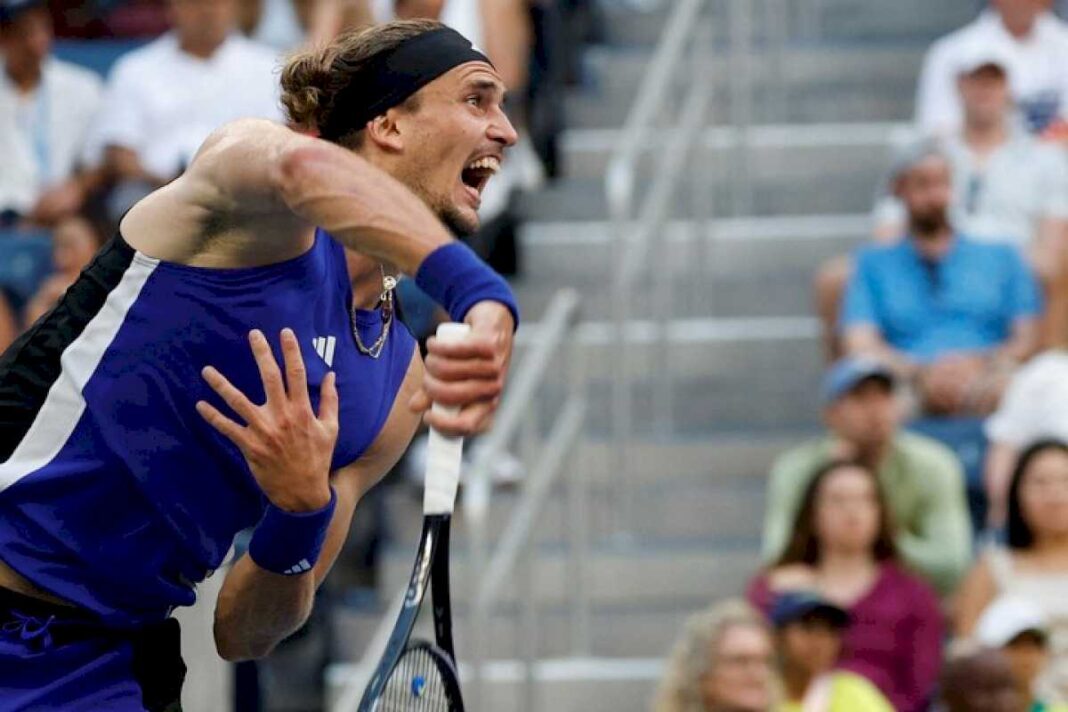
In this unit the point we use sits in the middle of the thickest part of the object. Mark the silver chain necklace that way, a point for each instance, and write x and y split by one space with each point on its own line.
385 301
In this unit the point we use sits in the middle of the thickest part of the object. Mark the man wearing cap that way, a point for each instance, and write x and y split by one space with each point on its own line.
921 479
952 316
1018 627
46 108
809 632
1035 42
221 365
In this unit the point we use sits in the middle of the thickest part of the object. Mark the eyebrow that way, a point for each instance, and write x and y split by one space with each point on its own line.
487 85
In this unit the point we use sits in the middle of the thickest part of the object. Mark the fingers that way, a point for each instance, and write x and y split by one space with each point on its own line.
268 367
328 401
461 393
473 419
296 375
220 422
230 394
473 346
452 369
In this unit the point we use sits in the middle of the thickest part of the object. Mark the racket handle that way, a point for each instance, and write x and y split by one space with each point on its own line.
444 454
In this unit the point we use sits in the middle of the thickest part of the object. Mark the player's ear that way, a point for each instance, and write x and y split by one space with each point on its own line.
385 132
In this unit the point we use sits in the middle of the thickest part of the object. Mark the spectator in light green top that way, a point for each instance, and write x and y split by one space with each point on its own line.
922 479
809 640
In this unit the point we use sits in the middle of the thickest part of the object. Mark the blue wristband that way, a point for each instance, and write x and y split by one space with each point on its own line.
454 277
289 543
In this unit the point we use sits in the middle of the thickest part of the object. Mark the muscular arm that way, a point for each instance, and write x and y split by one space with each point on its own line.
261 187
257 609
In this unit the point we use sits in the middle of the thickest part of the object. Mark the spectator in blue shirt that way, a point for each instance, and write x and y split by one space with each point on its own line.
952 315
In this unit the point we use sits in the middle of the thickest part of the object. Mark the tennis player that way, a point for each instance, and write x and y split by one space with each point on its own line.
212 370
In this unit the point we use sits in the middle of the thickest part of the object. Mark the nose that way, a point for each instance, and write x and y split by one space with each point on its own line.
501 130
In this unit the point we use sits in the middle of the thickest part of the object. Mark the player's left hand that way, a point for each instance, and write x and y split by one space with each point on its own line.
470 374
287 445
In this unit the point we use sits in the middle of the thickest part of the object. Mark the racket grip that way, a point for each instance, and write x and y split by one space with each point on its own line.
444 454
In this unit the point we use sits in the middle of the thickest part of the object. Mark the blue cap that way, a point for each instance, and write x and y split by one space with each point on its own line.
795 605
10 9
848 373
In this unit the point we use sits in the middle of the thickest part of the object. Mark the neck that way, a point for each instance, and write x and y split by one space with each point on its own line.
1020 30
836 561
367 287
796 681
25 81
933 245
984 137
200 50
1051 543
872 455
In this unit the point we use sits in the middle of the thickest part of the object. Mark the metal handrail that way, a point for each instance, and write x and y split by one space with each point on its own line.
656 83
632 239
560 316
516 540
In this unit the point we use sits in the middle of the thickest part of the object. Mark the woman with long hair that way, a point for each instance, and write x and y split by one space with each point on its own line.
842 548
723 661
1033 563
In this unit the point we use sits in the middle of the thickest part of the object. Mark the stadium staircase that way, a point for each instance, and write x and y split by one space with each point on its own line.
744 355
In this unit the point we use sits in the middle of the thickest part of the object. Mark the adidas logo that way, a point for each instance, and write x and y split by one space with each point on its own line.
300 568
324 346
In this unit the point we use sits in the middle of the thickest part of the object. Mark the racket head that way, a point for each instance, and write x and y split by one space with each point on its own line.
423 680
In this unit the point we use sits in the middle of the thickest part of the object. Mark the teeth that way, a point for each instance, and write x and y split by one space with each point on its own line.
488 163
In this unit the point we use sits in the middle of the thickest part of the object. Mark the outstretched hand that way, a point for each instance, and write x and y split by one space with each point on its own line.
469 374
287 446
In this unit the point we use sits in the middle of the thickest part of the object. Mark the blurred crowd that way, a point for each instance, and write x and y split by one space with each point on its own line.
916 555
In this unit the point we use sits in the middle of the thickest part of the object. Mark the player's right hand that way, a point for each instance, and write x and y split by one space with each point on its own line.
287 446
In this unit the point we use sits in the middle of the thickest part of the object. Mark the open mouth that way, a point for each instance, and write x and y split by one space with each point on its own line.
477 173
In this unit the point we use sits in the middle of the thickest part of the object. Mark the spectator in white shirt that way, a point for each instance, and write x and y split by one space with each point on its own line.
1036 43
46 108
164 99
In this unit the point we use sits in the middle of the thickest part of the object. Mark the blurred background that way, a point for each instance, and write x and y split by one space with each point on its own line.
787 420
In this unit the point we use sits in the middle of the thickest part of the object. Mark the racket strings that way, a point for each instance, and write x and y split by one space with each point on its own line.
416 685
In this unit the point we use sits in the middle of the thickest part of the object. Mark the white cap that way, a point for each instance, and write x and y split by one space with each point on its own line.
1008 617
976 55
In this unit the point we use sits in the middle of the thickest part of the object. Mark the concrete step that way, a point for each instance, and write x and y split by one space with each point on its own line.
622 575
793 188
835 20
830 150
614 631
580 253
675 508
803 84
562 685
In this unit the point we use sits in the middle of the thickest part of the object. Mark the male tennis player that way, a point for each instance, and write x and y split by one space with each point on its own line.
148 417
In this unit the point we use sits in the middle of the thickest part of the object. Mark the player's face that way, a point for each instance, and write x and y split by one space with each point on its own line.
985 95
27 42
926 190
847 510
741 671
454 142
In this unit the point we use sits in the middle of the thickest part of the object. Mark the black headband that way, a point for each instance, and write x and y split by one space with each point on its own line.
391 77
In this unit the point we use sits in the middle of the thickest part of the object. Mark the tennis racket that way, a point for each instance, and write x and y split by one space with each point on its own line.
416 675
